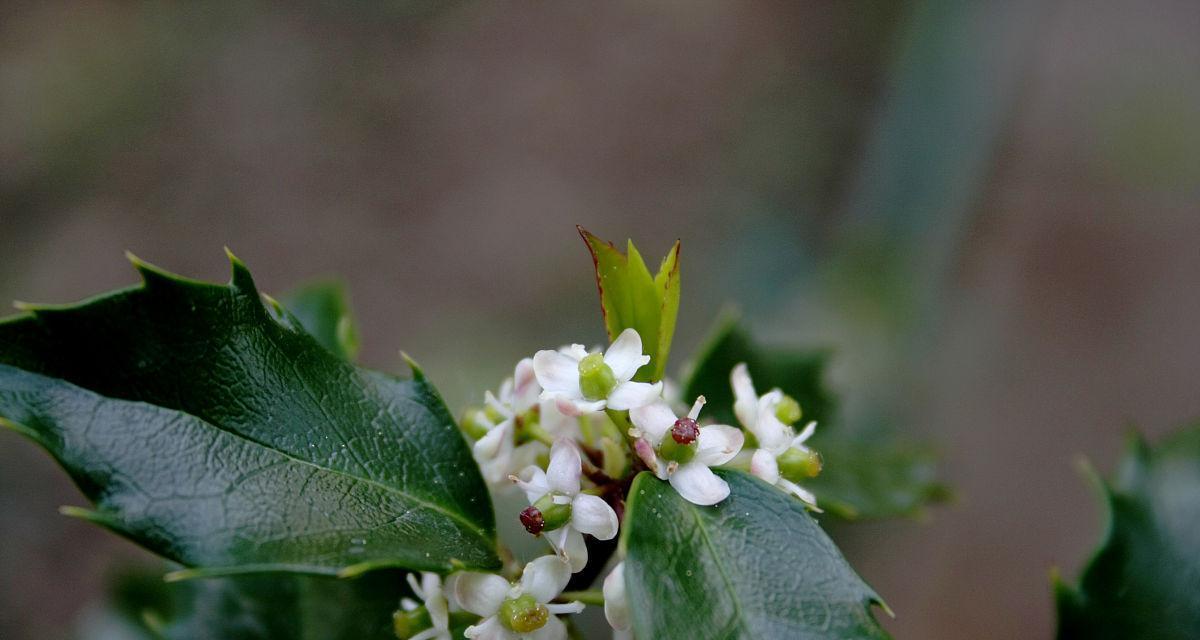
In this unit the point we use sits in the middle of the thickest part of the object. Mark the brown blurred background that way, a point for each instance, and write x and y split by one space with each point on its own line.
991 211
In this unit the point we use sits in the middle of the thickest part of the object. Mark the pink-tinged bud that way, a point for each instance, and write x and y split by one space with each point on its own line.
532 520
645 451
685 431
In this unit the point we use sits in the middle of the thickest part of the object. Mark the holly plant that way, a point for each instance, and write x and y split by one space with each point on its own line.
298 495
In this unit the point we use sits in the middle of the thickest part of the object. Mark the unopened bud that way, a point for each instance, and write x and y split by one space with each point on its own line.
799 464
788 411
475 424
407 624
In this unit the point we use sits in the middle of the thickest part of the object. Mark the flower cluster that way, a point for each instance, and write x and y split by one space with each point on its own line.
569 429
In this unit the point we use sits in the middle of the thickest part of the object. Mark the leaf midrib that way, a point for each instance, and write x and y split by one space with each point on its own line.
459 518
737 603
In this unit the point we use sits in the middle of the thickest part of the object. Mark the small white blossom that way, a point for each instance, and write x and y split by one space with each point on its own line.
429 590
520 611
560 483
713 445
775 439
580 382
616 605
497 452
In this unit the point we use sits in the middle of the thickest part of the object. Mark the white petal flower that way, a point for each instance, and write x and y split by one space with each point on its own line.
561 511
616 605
430 591
497 452
579 382
684 451
520 611
782 457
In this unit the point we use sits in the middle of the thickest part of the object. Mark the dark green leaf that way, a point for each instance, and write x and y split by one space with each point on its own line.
631 298
287 607
269 607
226 439
1144 580
864 476
754 566
323 309
801 374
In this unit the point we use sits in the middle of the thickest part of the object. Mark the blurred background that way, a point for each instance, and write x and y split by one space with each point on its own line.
991 211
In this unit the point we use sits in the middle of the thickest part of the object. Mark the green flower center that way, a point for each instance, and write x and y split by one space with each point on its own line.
554 516
523 614
596 378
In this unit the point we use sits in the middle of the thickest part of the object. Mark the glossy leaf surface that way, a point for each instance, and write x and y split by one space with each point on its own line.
1144 580
222 436
754 566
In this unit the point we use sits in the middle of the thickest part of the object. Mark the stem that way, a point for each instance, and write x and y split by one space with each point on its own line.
591 596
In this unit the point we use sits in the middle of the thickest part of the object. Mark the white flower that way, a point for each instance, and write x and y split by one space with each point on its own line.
429 590
782 457
520 611
580 382
683 451
616 605
497 452
561 508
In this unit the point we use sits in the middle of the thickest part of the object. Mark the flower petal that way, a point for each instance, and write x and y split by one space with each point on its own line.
698 484
554 629
532 481
564 469
490 629
625 357
525 386
654 419
800 492
557 373
492 442
592 515
771 433
480 593
573 406
763 465
575 352
574 548
435 601
718 444
545 578
629 395
745 403
616 605
807 433
557 423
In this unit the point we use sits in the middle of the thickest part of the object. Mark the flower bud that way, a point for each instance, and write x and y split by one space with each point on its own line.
523 614
407 624
788 410
475 424
596 378
798 464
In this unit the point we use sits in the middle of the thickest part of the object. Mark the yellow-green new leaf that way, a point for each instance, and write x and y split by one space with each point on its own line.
631 298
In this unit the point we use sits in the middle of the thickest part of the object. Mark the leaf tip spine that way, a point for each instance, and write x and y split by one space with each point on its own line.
417 371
